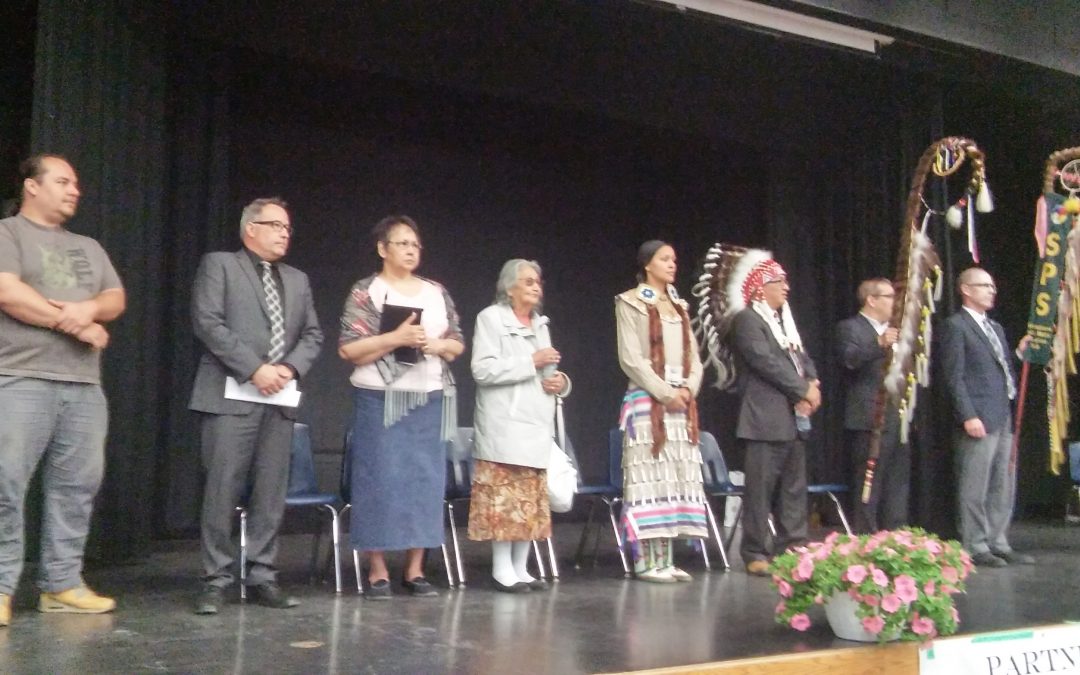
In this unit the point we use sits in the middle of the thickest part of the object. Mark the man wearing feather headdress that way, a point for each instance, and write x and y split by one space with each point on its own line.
779 390
982 385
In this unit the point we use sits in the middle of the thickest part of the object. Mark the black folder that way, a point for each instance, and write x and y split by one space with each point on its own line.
392 317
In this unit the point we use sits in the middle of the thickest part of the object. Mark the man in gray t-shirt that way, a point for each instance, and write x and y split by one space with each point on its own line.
57 289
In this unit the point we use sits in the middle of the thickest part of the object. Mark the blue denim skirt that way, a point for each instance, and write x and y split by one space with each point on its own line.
398 475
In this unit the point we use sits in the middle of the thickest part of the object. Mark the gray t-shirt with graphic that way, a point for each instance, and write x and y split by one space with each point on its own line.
61 265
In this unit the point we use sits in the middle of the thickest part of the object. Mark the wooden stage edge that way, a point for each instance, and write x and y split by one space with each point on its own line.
896 658
899 658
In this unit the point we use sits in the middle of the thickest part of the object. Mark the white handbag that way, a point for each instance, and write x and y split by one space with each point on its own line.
562 477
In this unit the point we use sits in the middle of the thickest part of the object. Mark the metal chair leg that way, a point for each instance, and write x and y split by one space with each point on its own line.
243 554
446 564
717 536
584 533
840 512
356 568
541 572
457 544
552 560
335 536
618 537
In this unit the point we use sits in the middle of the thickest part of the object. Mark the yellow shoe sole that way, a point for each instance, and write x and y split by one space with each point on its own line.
51 606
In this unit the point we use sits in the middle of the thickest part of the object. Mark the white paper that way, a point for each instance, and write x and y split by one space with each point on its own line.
288 397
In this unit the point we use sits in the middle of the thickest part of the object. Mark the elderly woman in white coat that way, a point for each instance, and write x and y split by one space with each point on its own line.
515 368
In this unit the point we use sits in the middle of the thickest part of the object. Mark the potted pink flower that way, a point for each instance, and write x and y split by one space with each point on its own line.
888 585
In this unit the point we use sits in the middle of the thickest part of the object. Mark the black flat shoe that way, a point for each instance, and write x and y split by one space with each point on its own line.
519 587
271 595
419 587
538 585
380 590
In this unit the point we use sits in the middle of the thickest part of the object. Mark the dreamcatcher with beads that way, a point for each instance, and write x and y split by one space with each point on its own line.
1054 321
918 281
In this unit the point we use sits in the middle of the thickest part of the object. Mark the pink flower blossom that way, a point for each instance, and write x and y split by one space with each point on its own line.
950 574
879 577
853 592
804 570
929 587
801 622
870 600
955 614
890 603
833 536
855 574
822 552
923 626
873 624
932 546
905 588
819 599
784 588
846 549
781 608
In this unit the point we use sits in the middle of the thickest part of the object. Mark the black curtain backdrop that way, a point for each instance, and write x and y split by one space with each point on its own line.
99 99
631 125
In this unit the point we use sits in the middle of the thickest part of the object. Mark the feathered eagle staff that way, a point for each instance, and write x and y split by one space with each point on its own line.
1054 321
918 284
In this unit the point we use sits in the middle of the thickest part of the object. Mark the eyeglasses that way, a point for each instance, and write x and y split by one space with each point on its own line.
276 225
984 284
407 244
884 295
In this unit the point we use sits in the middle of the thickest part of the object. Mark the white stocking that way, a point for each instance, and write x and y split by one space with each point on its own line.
502 563
521 560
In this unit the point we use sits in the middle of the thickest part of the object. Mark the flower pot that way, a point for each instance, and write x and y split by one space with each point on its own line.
840 611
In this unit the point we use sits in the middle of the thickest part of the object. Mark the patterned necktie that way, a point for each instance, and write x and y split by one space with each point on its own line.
277 318
999 354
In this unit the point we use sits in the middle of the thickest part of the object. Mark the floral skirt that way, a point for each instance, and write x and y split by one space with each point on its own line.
508 503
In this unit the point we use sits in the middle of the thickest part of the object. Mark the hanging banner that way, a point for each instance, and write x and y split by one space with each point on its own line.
1047 285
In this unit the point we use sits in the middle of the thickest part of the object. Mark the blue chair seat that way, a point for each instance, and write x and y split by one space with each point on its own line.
820 488
317 499
302 491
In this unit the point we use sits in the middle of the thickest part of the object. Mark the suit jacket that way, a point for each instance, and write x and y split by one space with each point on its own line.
230 318
973 376
862 359
768 384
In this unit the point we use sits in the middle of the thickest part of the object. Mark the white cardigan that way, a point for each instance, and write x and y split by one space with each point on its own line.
514 418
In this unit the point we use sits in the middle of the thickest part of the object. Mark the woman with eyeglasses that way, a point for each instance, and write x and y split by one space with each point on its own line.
400 331
663 498
515 368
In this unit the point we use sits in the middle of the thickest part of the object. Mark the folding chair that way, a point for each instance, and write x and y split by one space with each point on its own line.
717 483
1072 516
303 490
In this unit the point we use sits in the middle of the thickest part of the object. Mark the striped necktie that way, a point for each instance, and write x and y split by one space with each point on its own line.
277 317
999 354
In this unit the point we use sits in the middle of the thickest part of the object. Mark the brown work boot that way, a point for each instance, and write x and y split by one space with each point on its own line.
758 568
78 600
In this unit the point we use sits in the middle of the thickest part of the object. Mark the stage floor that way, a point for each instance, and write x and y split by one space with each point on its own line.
592 620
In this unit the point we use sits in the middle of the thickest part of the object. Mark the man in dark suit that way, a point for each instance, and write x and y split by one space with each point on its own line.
779 391
862 343
256 320
981 384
